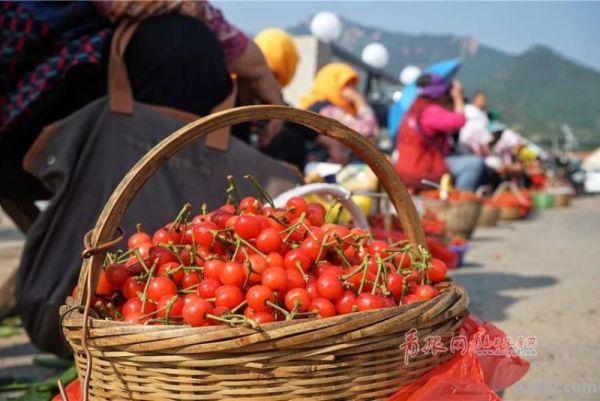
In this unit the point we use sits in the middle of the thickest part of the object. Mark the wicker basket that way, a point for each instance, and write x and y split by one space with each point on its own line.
562 200
509 213
489 216
460 216
562 195
512 211
349 357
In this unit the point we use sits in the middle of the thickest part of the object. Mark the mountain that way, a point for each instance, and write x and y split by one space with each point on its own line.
535 92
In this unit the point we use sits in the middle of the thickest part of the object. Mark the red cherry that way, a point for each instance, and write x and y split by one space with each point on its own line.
323 307
366 301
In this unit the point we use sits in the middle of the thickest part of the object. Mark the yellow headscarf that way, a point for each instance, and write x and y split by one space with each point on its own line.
281 53
328 85
527 154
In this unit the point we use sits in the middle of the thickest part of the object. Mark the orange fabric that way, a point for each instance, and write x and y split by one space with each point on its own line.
328 85
280 52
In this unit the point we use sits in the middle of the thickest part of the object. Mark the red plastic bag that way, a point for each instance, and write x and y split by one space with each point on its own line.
73 391
501 368
473 375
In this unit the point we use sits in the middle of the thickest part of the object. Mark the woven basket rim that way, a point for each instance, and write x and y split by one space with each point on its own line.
73 317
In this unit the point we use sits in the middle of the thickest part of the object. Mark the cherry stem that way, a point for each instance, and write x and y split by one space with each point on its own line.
249 245
290 230
183 213
240 306
108 259
150 274
234 320
233 194
189 290
237 248
303 314
314 237
362 280
322 247
137 254
277 219
379 268
278 308
262 192
171 248
403 292
362 266
384 273
123 256
301 270
343 257
100 307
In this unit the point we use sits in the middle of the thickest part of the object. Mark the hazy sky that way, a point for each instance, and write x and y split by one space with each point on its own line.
571 28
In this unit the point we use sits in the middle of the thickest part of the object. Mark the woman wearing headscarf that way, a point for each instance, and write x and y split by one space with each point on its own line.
281 55
425 138
280 52
333 94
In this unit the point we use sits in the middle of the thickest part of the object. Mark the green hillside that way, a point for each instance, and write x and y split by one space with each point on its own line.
536 92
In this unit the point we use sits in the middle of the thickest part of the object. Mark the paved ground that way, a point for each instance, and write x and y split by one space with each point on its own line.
533 278
540 278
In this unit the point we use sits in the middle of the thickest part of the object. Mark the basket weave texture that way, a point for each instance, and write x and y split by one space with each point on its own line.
460 216
489 216
350 357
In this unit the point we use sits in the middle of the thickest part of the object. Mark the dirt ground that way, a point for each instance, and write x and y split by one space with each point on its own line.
537 277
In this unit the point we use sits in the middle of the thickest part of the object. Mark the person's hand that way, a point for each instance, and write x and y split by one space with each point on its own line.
256 81
484 150
456 90
338 153
456 93
272 128
252 71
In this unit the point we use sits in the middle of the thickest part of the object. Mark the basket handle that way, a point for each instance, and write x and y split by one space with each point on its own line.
132 182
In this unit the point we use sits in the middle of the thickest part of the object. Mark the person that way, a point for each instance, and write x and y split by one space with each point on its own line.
334 94
280 52
282 57
53 64
424 140
506 145
502 161
474 136
54 58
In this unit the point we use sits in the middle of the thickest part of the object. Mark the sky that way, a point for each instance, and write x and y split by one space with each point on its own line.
571 28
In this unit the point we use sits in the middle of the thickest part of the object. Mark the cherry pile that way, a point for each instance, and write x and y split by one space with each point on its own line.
249 264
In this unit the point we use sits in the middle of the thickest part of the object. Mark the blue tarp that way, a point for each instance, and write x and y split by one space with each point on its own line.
446 68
